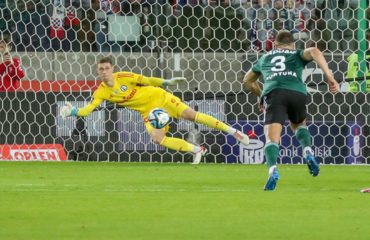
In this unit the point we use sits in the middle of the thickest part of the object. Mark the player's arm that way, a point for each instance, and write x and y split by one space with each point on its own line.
314 54
153 81
250 81
69 110
83 112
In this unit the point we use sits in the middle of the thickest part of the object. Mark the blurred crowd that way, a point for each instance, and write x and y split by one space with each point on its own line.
183 25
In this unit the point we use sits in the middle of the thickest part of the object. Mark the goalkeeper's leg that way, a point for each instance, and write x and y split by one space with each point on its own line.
158 135
212 122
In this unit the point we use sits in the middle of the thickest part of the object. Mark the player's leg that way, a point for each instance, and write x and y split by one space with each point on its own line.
304 138
297 112
367 190
275 114
159 136
176 108
212 122
272 132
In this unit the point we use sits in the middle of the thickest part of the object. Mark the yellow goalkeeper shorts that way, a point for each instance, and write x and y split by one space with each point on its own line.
172 104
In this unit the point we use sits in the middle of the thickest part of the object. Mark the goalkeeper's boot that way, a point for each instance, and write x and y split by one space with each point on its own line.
273 178
198 156
241 137
367 190
313 167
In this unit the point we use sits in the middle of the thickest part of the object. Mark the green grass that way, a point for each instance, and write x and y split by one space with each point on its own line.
86 200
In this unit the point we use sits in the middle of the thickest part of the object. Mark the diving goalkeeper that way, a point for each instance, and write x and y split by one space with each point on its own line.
141 94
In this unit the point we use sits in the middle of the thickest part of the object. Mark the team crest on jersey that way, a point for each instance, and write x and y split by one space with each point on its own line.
123 88
115 92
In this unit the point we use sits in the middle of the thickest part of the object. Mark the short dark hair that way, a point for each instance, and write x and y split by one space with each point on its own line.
284 38
105 60
6 38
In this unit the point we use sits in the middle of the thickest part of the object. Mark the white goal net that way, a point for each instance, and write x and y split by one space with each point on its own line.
212 44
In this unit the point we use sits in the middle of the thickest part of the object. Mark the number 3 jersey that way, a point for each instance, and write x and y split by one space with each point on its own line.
282 68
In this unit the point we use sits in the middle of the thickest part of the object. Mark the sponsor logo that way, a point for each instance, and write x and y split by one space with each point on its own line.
39 154
125 99
253 153
322 152
123 88
356 146
146 120
30 152
356 143
293 152
116 92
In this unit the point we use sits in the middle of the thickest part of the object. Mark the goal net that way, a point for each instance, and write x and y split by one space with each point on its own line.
210 43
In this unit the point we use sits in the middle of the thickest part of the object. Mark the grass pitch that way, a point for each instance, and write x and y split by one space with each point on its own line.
90 200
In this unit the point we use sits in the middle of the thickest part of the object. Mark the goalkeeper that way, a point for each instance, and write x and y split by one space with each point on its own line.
141 94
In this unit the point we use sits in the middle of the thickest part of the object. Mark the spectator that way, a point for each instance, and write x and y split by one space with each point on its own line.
65 25
239 7
353 68
341 19
314 24
5 16
103 9
31 24
262 35
194 2
225 24
292 19
11 71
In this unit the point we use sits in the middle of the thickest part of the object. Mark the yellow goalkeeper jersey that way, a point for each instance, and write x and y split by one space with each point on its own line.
129 90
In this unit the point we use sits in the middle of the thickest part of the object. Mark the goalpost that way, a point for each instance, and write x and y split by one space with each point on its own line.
209 45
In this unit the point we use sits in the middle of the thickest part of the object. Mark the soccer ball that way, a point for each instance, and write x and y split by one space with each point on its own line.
158 118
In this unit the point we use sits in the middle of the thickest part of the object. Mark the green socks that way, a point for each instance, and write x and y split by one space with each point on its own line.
271 153
303 136
272 148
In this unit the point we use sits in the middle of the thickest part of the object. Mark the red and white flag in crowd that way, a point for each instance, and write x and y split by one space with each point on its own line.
57 20
71 19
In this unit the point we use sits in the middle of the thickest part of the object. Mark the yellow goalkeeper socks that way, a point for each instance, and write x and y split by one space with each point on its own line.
177 144
211 122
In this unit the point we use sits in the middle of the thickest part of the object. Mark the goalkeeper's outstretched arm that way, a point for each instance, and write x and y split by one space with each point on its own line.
152 81
69 110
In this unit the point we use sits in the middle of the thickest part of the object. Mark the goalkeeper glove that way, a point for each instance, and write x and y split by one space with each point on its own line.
68 110
174 81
